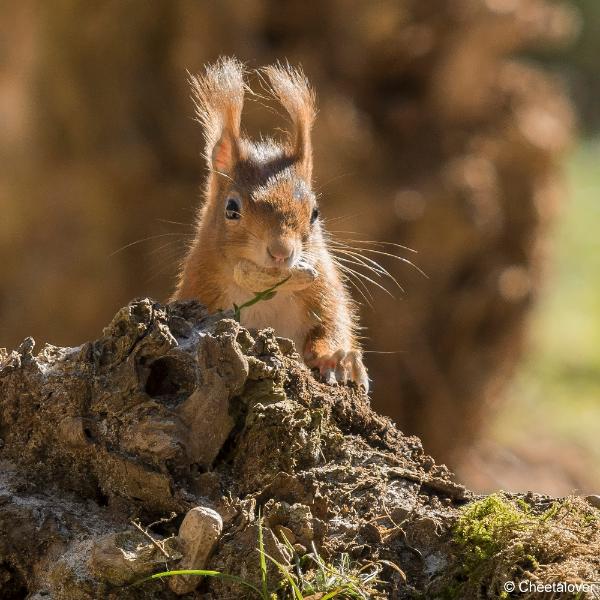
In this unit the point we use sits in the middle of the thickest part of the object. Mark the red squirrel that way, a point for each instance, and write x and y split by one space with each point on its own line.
260 222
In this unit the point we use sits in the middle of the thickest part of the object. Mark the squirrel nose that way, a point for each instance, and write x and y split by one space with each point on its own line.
279 252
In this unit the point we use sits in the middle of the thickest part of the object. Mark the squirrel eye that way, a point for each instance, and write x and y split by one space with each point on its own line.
314 215
233 209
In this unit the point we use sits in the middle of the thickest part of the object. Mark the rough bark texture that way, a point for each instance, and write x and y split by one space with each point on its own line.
432 132
173 410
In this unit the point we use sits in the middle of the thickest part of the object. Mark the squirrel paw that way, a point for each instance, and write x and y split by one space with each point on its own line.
340 367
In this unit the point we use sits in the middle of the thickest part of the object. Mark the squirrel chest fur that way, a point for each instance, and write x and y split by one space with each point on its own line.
285 313
260 222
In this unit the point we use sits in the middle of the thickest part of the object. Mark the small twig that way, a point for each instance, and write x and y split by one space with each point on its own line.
438 485
163 520
155 542
398 528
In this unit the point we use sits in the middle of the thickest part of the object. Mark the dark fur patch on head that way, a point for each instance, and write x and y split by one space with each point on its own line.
262 161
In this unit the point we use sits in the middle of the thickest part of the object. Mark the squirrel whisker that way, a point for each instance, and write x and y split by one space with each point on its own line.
173 244
396 257
350 278
363 276
371 264
371 242
366 262
149 239
344 245
348 275
175 223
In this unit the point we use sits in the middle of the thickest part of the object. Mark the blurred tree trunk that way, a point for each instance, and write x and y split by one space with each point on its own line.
430 135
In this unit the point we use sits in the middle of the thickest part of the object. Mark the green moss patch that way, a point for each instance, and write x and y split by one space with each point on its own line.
500 539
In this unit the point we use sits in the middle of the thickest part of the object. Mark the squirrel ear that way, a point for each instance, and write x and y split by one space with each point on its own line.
225 153
219 97
292 89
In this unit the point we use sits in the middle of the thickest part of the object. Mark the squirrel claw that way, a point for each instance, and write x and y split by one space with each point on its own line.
340 367
329 377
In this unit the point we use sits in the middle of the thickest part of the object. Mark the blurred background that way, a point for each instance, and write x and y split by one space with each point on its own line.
463 129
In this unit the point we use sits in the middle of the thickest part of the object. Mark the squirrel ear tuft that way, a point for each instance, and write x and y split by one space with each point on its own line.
292 89
219 97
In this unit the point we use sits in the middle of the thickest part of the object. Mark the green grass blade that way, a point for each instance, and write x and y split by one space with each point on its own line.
263 562
286 573
202 573
198 572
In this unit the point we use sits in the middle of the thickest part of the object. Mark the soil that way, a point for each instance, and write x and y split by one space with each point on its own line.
173 409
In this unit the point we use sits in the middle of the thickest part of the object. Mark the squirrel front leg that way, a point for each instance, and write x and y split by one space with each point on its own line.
336 355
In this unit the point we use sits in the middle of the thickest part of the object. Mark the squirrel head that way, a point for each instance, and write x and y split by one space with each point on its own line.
259 202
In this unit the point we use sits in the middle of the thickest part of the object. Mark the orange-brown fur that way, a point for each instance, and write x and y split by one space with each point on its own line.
276 224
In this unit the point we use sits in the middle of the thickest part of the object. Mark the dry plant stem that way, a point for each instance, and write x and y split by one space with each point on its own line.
145 533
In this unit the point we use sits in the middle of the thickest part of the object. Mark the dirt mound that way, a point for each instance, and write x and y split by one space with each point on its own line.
180 440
